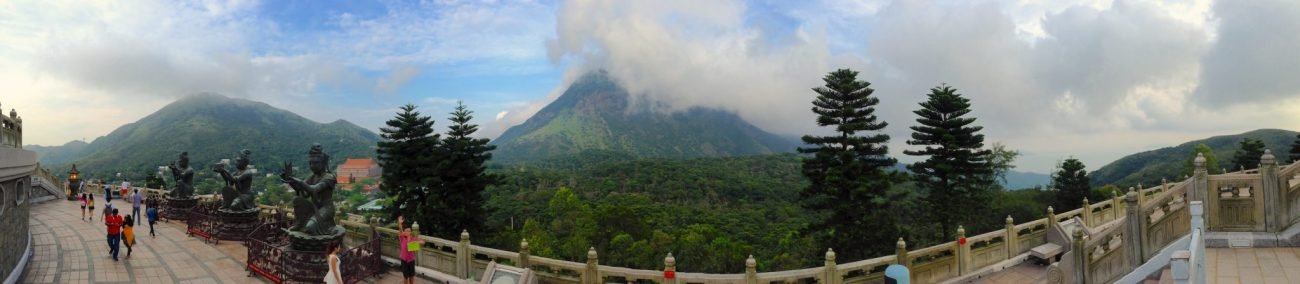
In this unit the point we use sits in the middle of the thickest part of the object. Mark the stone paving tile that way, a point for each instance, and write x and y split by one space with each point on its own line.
68 249
1253 265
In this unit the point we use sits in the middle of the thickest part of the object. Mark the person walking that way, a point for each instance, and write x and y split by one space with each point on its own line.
108 193
128 235
114 223
82 198
152 212
335 275
90 201
135 206
406 251
108 210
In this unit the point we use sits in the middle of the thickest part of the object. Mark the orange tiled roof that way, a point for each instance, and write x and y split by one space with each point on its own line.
358 163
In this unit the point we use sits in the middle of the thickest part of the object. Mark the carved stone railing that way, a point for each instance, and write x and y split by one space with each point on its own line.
11 130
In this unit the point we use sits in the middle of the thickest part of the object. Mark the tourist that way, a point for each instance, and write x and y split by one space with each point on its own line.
82 198
335 275
152 213
108 210
135 206
405 239
126 188
128 235
108 193
90 202
114 223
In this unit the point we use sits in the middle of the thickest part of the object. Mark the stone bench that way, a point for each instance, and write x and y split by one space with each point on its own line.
1046 253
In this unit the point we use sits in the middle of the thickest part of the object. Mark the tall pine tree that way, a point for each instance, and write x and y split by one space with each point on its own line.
1248 153
1295 149
463 176
957 171
846 169
1072 185
406 154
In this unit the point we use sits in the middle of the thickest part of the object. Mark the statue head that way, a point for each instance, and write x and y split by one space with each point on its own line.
184 160
242 162
317 159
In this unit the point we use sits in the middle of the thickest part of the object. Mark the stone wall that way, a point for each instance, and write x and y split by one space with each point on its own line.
14 223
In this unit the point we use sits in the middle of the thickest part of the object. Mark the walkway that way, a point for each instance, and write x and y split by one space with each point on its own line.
1252 265
69 250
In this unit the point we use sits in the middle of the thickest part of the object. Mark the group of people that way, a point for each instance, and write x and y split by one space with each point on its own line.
121 230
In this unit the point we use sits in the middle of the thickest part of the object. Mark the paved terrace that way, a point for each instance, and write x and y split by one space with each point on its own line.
69 250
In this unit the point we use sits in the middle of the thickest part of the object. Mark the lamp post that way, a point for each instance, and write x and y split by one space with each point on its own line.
74 183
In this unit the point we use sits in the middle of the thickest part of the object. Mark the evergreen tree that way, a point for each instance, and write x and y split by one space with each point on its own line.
1072 185
1295 149
406 153
463 176
1248 153
957 171
846 169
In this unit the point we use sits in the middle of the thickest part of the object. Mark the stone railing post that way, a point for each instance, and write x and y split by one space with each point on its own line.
1275 207
751 270
1051 217
1142 196
1086 213
900 254
1134 223
1079 256
1011 237
1179 267
963 252
1116 201
1201 181
523 254
1198 241
463 256
831 274
592 274
670 268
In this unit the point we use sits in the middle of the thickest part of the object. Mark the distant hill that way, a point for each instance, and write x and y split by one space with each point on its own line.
210 127
1169 162
593 114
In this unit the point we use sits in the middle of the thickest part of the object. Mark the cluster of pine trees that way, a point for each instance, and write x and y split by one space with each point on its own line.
434 180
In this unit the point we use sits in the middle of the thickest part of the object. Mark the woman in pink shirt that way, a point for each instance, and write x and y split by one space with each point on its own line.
404 239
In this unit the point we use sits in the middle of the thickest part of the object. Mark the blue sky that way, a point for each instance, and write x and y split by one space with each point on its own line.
1092 79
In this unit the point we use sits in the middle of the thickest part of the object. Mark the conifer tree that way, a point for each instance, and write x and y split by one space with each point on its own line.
463 176
846 168
1248 154
1072 185
406 155
956 170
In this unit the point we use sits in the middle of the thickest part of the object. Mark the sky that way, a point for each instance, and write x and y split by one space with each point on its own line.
1088 79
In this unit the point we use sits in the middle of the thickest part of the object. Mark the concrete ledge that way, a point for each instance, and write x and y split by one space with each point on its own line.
1287 238
974 276
21 268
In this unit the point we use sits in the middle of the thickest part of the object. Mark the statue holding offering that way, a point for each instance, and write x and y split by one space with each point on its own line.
314 206
184 176
238 195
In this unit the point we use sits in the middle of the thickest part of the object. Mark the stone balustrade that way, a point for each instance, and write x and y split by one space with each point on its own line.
11 130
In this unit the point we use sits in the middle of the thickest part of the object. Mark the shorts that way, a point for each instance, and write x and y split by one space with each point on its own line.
408 269
83 207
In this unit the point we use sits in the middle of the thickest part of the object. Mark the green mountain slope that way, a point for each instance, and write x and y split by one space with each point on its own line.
58 155
1169 162
213 127
593 114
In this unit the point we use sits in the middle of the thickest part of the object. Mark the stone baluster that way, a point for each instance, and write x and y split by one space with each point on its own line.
592 273
751 270
1134 225
1179 267
670 267
463 256
1275 207
900 254
831 274
1051 217
963 252
524 262
1116 205
1011 237
1086 213
1079 256
1164 184
1142 197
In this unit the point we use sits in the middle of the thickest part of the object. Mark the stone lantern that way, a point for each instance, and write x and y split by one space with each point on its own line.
74 183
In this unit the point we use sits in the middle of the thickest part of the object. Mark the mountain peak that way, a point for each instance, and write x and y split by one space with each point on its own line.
592 114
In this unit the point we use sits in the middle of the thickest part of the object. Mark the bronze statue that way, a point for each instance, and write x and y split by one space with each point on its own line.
184 176
237 195
314 206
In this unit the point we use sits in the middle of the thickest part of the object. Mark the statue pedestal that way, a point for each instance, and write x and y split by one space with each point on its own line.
177 209
303 242
236 225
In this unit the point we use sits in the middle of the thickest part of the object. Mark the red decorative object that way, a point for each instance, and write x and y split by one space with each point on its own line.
961 241
669 274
